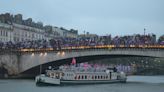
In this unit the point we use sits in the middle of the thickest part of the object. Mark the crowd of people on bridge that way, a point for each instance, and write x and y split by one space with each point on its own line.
127 40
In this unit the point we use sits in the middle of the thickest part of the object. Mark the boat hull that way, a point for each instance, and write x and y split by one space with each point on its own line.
42 80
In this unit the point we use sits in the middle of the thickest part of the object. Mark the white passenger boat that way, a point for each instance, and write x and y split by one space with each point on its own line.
76 75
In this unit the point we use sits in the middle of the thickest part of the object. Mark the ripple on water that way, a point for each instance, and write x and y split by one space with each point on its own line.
134 84
146 79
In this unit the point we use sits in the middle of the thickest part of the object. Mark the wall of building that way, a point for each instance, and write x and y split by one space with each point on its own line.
65 33
6 32
60 33
22 33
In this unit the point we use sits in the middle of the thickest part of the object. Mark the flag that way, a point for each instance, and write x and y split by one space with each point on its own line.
73 61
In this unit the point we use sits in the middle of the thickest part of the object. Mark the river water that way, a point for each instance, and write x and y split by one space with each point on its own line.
134 84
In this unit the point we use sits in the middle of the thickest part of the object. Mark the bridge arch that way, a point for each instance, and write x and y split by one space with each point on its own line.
29 60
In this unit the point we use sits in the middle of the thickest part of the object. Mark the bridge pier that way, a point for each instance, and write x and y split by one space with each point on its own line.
10 62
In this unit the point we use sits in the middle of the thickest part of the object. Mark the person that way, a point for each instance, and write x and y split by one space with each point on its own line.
114 69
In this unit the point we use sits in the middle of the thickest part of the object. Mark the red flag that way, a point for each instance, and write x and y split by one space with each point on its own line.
73 61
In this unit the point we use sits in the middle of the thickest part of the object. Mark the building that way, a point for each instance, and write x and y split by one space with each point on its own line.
59 32
6 32
62 32
18 19
24 33
91 36
72 33
14 28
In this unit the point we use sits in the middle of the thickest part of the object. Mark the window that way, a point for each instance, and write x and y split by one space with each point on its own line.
1 32
95 77
104 77
25 34
85 76
98 77
92 77
6 34
82 77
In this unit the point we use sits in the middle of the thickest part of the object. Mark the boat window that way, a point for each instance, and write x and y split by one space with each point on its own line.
57 75
95 77
82 77
85 76
52 74
62 74
110 75
103 77
92 77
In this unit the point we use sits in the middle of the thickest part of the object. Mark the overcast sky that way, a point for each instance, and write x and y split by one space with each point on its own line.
102 17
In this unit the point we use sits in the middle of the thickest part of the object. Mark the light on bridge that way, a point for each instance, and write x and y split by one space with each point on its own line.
32 54
45 54
58 53
63 53
41 54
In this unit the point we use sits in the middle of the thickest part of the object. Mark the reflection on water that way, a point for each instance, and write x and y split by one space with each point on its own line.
134 84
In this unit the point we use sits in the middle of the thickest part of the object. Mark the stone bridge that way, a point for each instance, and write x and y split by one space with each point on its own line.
18 62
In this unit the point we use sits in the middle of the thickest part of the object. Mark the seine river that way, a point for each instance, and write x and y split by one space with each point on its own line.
134 84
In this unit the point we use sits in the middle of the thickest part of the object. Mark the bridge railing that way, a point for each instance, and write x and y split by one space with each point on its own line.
77 48
109 47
